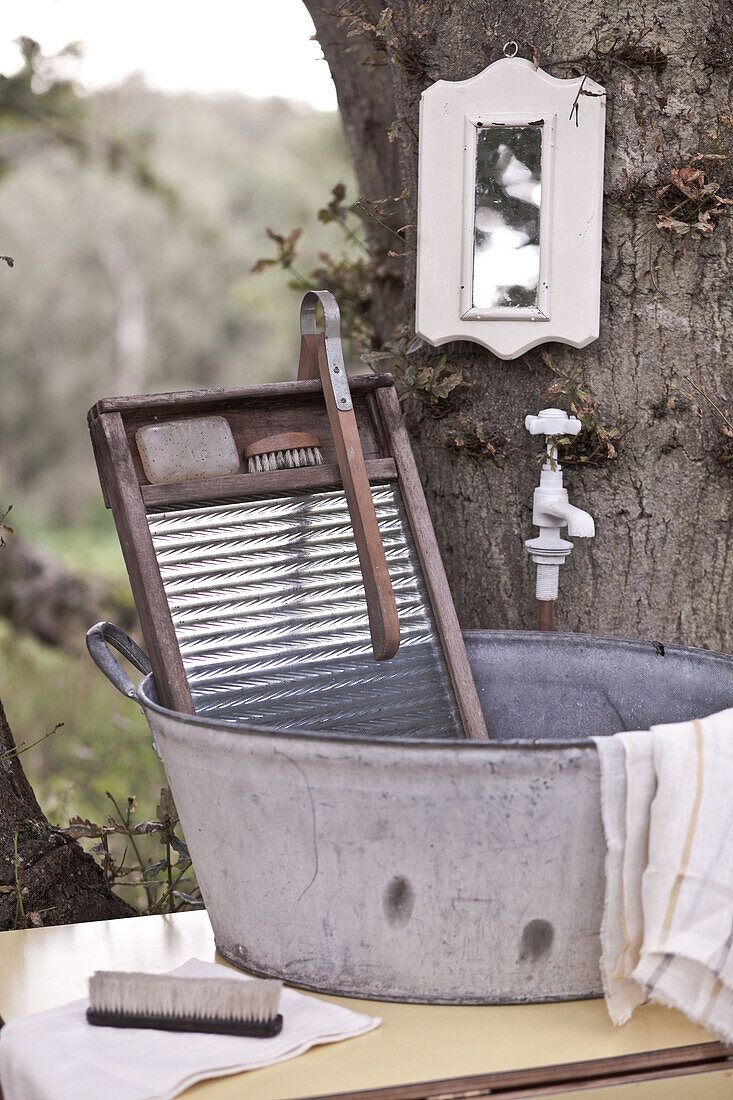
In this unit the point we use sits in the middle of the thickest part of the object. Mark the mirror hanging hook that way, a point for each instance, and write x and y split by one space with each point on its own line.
511 49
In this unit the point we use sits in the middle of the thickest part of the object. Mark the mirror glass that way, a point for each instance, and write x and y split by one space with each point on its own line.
506 252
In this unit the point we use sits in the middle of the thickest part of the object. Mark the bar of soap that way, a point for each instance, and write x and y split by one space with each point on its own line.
179 450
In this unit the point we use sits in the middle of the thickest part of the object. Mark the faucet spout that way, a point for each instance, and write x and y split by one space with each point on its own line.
580 523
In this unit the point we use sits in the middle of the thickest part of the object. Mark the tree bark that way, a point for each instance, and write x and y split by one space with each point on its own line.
660 565
45 878
39 596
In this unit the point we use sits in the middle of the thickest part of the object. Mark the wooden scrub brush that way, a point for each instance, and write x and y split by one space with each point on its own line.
283 452
222 1006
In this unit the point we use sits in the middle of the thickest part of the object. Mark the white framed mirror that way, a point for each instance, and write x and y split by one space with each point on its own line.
509 209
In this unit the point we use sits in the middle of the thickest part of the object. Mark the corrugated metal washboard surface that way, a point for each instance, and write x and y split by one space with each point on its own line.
268 606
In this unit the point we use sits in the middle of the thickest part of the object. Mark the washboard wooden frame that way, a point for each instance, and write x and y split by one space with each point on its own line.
282 407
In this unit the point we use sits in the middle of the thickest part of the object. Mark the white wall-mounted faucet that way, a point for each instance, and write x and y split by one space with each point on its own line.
552 510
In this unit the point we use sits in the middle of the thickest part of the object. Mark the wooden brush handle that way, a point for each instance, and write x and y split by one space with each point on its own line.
381 607
285 441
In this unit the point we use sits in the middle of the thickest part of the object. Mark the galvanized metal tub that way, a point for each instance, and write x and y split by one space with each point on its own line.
444 872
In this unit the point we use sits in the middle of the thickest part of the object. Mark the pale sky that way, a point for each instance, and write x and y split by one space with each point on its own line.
257 47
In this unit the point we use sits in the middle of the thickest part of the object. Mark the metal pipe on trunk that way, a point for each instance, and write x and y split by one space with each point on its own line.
545 614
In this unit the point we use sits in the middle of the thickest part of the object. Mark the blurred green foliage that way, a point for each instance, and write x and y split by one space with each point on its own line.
103 744
115 290
134 219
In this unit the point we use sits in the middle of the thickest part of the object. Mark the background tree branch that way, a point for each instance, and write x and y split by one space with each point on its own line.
40 596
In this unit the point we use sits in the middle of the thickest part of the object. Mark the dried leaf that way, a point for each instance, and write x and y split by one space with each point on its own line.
674 225
189 899
259 266
79 827
394 129
166 808
155 869
181 847
145 828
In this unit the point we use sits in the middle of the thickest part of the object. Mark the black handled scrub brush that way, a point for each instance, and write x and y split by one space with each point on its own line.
223 1006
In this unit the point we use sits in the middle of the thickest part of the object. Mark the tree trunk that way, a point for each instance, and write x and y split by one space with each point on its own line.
660 565
45 878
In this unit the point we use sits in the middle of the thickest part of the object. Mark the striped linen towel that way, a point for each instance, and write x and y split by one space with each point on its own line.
667 932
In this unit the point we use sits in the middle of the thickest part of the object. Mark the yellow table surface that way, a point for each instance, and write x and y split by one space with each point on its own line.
43 967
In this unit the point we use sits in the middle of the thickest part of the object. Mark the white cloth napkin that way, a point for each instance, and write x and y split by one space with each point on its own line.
667 932
57 1055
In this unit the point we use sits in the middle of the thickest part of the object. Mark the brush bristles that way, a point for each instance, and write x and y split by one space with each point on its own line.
204 998
285 460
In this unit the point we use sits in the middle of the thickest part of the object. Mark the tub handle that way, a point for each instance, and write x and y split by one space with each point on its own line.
103 635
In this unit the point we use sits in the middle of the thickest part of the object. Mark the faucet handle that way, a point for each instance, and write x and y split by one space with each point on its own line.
552 422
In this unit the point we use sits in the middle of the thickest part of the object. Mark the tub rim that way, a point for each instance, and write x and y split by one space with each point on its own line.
409 743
